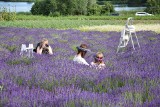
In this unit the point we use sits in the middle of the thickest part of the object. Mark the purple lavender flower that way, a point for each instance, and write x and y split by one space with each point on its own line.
130 78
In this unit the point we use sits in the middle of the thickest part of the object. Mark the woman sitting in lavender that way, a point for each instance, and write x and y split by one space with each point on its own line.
79 58
43 47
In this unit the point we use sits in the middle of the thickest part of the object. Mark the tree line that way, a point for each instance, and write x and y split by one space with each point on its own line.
129 2
70 7
98 1
85 7
153 6
18 0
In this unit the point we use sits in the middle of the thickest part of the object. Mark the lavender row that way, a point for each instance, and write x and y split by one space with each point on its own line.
130 78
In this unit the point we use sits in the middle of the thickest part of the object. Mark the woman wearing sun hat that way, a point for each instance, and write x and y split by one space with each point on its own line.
79 58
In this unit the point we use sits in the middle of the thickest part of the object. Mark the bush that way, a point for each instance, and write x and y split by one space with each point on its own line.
94 10
43 7
70 7
55 14
7 14
37 8
153 6
107 8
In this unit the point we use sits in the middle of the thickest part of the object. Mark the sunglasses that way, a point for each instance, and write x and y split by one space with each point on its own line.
99 58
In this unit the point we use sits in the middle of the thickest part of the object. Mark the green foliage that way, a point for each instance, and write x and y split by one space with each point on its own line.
18 0
11 48
7 15
47 85
69 7
129 2
24 60
141 96
55 14
24 13
41 7
19 80
107 8
153 6
94 10
68 22
110 83
14 62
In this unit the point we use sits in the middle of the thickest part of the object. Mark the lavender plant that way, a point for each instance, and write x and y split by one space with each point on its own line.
129 79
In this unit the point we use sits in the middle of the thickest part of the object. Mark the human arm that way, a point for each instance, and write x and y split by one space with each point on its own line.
39 50
50 50
85 62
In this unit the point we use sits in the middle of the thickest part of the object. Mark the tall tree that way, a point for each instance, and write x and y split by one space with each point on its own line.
91 2
72 7
68 7
153 6
82 7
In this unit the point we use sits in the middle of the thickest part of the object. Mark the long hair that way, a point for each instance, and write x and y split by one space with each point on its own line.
81 51
42 42
44 39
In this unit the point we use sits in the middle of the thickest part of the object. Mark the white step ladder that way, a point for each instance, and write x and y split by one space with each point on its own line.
127 33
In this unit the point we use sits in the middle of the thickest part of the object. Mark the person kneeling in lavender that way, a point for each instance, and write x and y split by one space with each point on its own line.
98 63
79 58
43 47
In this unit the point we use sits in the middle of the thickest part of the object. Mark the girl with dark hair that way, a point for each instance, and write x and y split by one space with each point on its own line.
79 58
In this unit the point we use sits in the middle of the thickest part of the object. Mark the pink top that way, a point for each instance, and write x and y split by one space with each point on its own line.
98 66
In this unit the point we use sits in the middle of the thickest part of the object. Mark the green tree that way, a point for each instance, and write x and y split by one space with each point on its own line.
44 7
53 6
36 8
82 7
91 2
72 6
153 6
95 9
107 8
68 7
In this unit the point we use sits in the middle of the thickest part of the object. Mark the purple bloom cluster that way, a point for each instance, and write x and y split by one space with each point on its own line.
131 77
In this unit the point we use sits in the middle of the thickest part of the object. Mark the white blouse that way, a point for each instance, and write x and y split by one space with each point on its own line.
80 60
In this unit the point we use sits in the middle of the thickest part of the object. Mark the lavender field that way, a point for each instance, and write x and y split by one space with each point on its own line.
130 79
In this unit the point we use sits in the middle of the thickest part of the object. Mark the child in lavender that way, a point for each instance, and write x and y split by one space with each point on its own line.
98 61
79 58
43 47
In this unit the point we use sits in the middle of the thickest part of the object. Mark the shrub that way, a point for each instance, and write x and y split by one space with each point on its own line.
6 14
107 8
70 7
43 7
94 10
55 14
37 8
153 6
